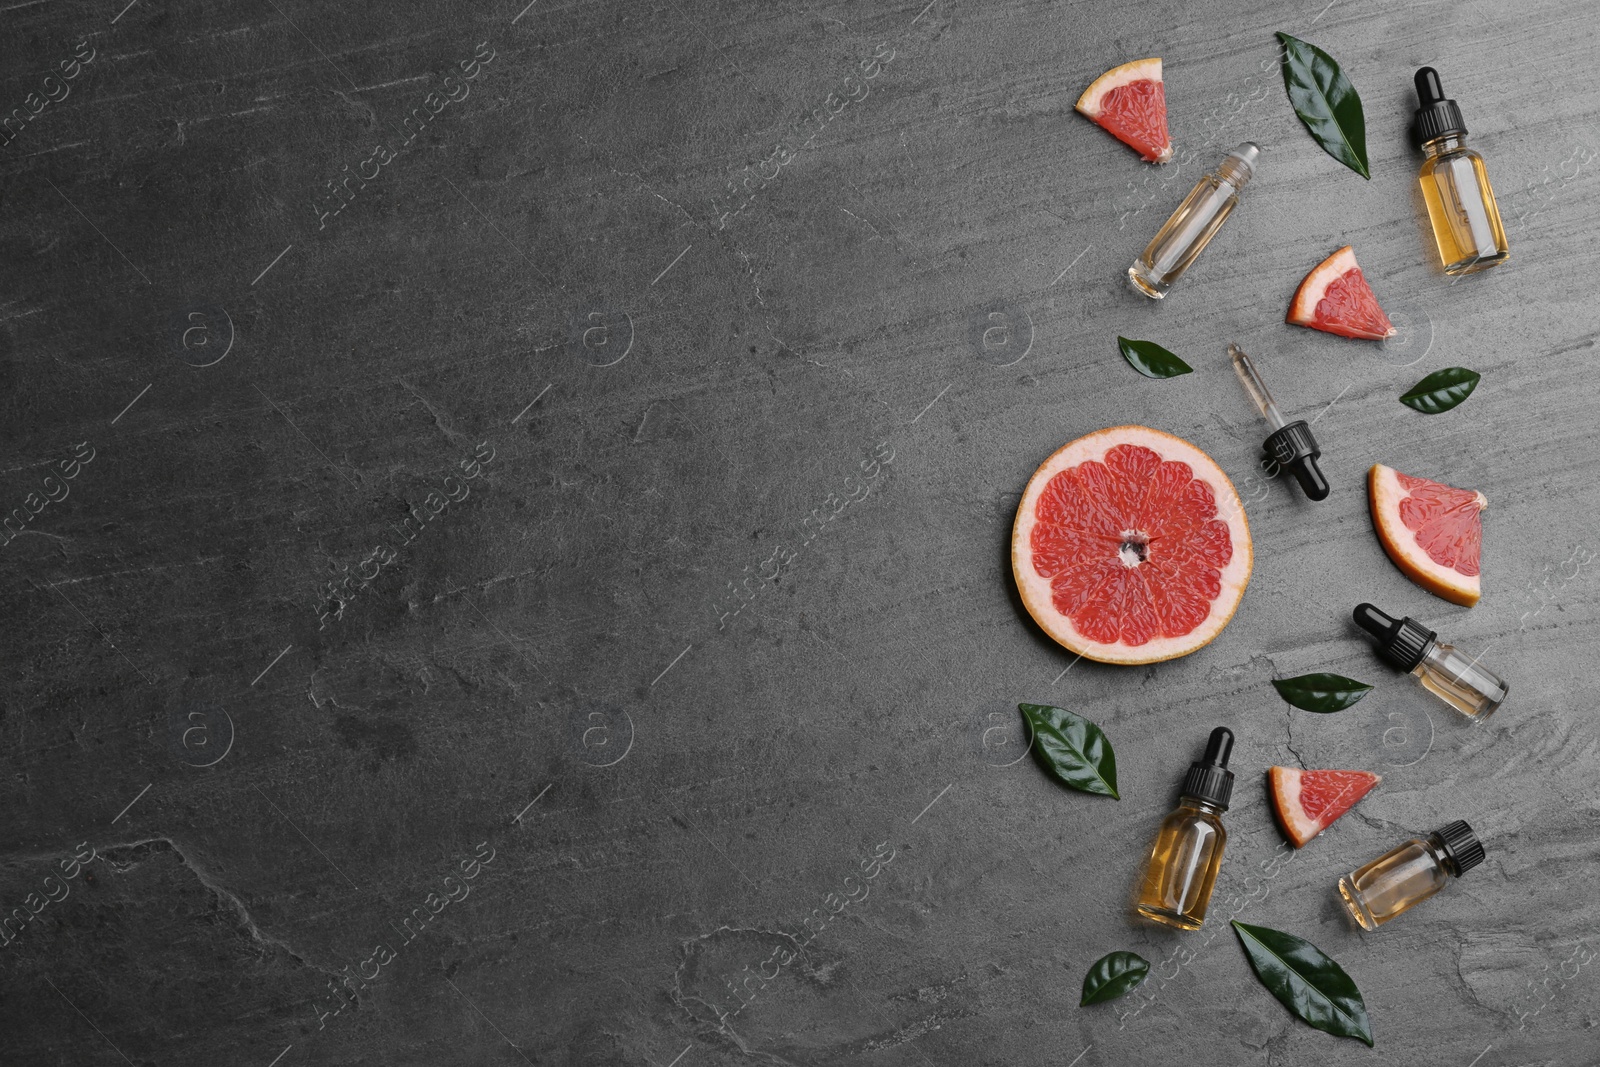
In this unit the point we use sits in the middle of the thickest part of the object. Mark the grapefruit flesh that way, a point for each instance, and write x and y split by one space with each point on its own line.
1130 546
1308 802
1434 533
1336 298
1130 103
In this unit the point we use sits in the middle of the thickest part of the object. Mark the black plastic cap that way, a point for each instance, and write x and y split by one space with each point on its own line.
1401 642
1209 779
1461 845
1436 116
1294 449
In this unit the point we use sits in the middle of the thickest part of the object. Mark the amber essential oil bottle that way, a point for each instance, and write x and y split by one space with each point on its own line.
1194 224
1404 877
1444 670
1188 851
1455 184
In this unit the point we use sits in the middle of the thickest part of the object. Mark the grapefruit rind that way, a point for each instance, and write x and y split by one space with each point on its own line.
1092 103
1303 308
1296 825
1384 494
1036 590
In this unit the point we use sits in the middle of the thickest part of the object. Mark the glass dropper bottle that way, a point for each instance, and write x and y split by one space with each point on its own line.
1290 444
1183 864
1191 227
1444 670
1455 185
1405 876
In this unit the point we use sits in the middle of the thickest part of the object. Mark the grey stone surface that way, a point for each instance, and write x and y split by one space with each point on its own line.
728 612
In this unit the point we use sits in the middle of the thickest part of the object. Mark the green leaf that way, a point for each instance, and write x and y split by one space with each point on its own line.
1113 975
1308 983
1441 390
1073 749
1151 360
1321 692
1326 102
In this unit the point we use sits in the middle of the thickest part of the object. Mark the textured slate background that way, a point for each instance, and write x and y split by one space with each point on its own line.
729 608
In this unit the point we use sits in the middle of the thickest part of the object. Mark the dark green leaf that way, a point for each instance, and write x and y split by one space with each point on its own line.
1073 749
1113 975
1151 360
1441 390
1308 983
1321 692
1326 102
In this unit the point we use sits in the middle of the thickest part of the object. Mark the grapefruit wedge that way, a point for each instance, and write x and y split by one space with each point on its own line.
1431 531
1336 298
1308 802
1130 103
1130 546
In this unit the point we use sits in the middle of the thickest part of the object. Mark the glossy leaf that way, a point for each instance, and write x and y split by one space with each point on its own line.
1308 983
1321 693
1326 102
1113 975
1073 749
1151 360
1441 390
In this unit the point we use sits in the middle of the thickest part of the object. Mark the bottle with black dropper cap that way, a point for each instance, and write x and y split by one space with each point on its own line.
1407 645
1188 849
1455 184
1409 874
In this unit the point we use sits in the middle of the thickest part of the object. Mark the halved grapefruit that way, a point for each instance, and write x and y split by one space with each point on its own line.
1335 297
1130 103
1130 546
1431 531
1308 802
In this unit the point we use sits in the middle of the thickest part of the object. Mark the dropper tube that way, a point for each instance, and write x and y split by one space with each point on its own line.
1290 445
1255 387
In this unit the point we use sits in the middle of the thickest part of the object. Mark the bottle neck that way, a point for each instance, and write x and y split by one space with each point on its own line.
1233 173
1197 804
1435 847
1431 656
1450 142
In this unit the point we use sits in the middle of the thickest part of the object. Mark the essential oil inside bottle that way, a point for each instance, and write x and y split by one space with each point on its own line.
1444 670
1406 876
1455 185
1187 853
1192 226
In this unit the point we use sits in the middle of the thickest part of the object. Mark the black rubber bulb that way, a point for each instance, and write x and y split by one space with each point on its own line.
1429 89
1309 475
1378 623
1218 747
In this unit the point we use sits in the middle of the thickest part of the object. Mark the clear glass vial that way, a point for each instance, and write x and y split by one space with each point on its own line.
1188 848
1192 226
1406 876
1455 185
1444 670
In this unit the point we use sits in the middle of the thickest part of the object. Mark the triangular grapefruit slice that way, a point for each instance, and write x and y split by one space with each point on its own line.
1130 103
1335 297
1308 802
1434 533
1130 546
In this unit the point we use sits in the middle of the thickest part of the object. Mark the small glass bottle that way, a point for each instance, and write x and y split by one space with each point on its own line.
1407 645
1405 877
1192 226
1455 184
1188 850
